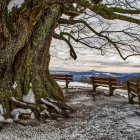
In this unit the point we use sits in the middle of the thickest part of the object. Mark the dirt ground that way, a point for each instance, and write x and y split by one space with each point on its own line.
95 117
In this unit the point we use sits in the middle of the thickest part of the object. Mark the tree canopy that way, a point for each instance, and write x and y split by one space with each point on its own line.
106 25
109 23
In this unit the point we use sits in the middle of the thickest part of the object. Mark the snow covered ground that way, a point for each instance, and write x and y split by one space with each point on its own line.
96 116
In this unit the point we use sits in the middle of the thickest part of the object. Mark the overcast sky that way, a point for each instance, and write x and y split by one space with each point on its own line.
90 59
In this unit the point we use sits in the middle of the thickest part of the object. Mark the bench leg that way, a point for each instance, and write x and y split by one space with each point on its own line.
67 83
139 98
130 98
111 91
94 88
110 88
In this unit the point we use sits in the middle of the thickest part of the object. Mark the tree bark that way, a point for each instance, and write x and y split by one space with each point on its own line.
25 36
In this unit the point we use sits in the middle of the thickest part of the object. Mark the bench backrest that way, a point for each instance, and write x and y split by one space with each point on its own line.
104 81
62 77
133 88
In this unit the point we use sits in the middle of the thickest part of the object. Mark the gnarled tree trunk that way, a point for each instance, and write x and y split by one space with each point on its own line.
25 38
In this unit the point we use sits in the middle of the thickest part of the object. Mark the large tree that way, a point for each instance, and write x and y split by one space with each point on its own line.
26 32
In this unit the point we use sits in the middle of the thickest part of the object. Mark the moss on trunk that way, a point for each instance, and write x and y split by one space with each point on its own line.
24 62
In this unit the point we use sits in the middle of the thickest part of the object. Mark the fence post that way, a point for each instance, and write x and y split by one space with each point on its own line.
138 88
110 88
67 82
93 84
129 93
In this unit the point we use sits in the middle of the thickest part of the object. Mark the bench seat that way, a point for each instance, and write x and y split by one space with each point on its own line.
62 77
119 87
133 91
105 82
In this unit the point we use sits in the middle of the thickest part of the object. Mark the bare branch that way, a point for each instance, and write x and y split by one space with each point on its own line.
72 51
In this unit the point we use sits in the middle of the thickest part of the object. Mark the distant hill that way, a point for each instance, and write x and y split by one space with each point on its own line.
81 76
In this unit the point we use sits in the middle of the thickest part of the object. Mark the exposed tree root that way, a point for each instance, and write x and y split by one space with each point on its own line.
47 108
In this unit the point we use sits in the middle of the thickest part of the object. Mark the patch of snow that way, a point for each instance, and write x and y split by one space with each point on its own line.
121 92
75 5
16 117
78 84
31 85
83 98
14 3
30 97
103 88
75 102
16 112
2 119
89 103
75 84
90 1
14 85
134 122
9 120
1 110
32 116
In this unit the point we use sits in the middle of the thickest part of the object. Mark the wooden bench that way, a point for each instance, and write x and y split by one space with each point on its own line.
105 82
133 91
67 78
